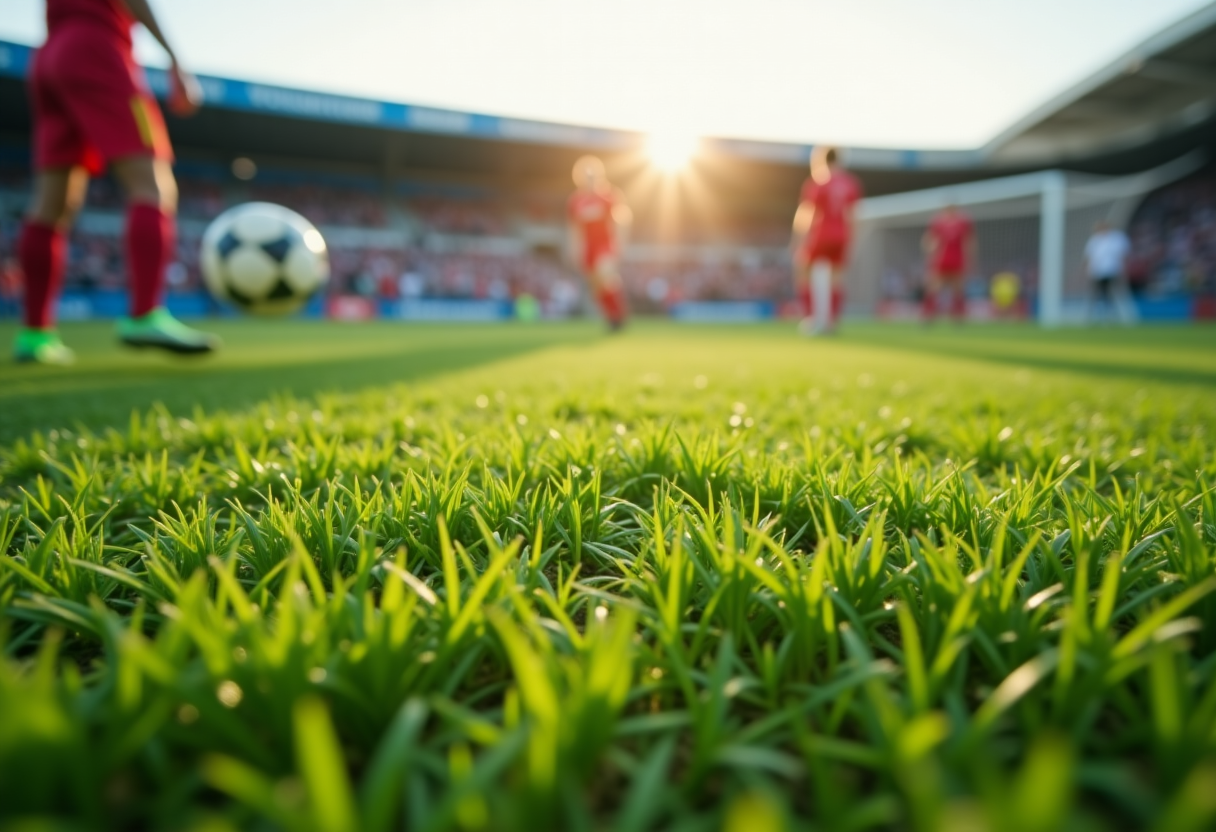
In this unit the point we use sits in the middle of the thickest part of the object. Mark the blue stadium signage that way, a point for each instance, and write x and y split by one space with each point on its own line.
246 96
724 311
14 59
284 101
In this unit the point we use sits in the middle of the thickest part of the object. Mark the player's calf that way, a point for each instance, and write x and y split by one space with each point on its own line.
610 293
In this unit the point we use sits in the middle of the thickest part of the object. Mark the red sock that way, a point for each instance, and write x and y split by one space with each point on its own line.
613 304
806 301
837 303
151 239
42 254
958 303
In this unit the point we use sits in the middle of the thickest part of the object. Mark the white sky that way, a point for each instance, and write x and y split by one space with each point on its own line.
885 73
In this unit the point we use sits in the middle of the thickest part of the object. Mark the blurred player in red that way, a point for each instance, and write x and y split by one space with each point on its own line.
823 226
598 218
950 246
92 109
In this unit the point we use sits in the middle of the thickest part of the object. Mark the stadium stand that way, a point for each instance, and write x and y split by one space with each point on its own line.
440 248
1173 236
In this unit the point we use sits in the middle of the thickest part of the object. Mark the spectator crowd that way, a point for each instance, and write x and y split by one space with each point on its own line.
377 272
1172 236
1173 239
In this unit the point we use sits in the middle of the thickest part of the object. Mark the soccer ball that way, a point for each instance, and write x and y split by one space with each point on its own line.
266 259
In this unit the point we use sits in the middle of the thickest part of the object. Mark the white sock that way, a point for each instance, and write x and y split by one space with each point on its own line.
821 289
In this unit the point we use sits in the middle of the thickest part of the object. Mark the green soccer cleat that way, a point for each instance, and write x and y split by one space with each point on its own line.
161 330
41 346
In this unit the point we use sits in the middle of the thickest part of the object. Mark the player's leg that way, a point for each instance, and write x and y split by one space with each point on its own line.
821 287
825 267
121 125
151 241
1099 297
836 293
933 288
60 180
58 194
802 286
1125 306
817 289
958 298
151 226
609 290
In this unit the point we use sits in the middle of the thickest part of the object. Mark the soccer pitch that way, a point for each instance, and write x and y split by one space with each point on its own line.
502 577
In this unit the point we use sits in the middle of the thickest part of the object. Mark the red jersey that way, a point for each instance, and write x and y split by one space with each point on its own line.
107 15
950 233
591 213
833 201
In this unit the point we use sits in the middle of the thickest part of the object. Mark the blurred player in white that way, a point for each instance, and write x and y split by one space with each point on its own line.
823 227
1106 254
598 219
949 245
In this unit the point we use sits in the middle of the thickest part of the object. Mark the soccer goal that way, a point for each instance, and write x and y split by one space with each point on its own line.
1032 225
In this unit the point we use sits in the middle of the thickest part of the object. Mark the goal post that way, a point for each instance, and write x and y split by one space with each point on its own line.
1053 217
1034 225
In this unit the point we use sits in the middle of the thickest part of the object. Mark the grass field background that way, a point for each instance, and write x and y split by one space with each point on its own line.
309 357
684 578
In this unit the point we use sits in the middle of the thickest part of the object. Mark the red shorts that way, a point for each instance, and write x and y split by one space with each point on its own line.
948 269
91 104
832 250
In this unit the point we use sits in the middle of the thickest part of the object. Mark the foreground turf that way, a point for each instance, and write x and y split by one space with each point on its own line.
683 579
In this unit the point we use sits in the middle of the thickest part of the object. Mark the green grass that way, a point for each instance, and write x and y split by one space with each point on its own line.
688 578
108 382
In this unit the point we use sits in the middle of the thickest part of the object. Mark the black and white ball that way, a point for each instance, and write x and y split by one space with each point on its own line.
264 258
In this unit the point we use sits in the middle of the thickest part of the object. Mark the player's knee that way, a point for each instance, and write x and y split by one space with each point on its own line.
148 180
56 201
45 211
167 195
71 209
606 274
166 185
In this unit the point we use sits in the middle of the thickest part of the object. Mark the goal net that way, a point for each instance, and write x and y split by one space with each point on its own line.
1033 226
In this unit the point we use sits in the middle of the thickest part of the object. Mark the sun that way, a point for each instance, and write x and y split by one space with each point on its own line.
671 152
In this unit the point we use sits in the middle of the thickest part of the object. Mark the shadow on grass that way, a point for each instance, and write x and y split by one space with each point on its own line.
106 397
977 349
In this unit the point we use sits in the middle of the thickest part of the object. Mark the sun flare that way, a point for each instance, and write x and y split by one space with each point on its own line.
671 152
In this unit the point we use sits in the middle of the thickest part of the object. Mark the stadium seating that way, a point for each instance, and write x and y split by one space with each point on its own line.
1173 234
437 254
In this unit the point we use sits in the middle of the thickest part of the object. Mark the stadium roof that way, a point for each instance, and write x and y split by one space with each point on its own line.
1164 87
267 99
1156 102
